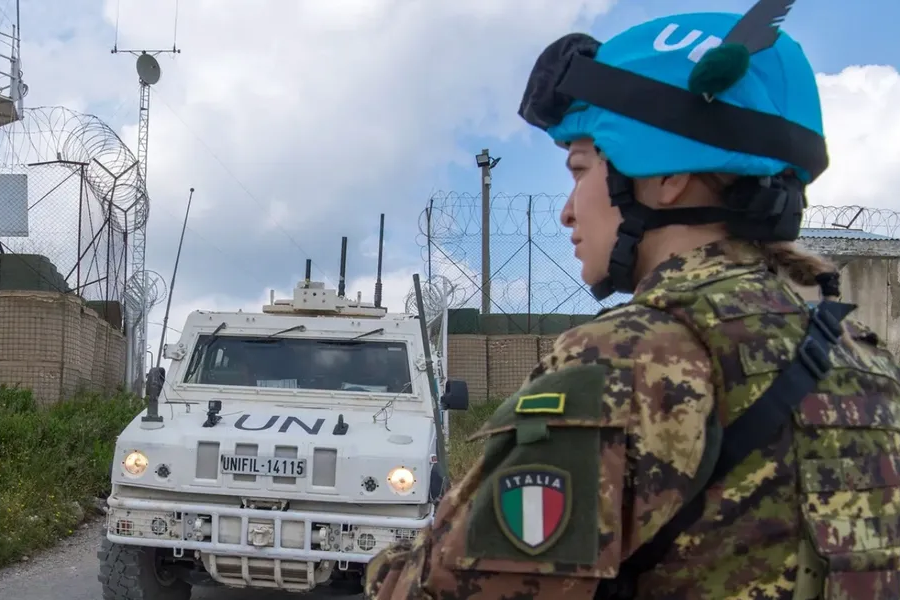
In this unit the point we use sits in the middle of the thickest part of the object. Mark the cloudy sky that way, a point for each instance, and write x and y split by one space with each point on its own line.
300 121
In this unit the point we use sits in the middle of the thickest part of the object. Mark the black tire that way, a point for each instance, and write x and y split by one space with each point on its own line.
129 573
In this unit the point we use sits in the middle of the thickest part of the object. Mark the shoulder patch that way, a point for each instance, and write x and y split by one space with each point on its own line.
548 403
538 499
533 504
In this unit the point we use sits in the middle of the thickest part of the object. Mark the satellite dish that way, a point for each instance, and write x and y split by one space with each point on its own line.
148 69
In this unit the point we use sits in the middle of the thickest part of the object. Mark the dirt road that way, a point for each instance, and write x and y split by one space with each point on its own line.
69 572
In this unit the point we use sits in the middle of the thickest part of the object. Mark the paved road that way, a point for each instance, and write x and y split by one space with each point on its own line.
69 572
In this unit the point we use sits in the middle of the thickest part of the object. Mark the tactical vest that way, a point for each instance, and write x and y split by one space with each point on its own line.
811 428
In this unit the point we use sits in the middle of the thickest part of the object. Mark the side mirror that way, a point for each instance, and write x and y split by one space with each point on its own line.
456 395
156 377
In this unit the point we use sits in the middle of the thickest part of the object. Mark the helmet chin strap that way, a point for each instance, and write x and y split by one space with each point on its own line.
637 219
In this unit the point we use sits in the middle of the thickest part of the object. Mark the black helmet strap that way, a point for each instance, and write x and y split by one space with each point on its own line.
767 209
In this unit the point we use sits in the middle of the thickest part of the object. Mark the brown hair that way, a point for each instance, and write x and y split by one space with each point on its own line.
787 258
800 266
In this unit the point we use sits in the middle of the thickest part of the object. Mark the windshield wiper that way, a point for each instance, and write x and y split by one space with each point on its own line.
288 330
374 331
198 353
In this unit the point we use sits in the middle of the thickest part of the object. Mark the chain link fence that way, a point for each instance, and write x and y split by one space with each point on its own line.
57 235
70 196
533 271
70 199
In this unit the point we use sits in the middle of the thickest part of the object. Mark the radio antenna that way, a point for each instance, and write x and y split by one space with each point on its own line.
162 338
380 254
341 282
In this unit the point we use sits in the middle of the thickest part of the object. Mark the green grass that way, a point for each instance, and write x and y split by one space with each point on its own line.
51 459
462 454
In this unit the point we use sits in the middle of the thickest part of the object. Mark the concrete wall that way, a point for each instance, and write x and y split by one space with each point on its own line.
874 285
55 345
495 366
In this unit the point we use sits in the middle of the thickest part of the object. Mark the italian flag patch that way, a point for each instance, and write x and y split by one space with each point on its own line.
533 504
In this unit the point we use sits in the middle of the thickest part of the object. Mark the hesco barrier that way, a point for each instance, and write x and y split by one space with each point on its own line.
30 272
494 353
51 340
469 321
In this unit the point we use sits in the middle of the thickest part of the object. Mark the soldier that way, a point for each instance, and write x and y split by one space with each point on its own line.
715 437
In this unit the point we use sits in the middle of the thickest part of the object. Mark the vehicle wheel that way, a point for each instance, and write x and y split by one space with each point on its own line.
134 573
348 582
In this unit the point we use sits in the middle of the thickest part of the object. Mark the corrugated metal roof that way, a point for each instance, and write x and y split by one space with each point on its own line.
841 234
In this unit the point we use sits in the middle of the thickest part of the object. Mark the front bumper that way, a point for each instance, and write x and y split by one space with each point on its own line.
256 533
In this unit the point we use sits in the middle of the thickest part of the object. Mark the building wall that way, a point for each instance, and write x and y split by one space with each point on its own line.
494 366
55 345
874 285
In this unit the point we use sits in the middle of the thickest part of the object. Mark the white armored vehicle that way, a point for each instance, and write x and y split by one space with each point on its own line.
282 450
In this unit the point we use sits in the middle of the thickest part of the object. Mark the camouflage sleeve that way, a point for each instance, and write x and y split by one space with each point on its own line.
580 467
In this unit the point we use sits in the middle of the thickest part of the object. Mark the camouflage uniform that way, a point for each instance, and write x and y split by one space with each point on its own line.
639 396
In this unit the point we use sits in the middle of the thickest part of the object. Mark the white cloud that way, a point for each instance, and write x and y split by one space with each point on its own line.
861 110
296 122
300 122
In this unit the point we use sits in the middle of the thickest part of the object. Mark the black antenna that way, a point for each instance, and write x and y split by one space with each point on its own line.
308 271
156 375
165 323
343 266
380 253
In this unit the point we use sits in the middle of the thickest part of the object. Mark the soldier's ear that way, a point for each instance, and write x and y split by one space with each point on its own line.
662 191
672 188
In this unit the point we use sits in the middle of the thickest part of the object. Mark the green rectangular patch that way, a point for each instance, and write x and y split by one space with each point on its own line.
544 404
538 501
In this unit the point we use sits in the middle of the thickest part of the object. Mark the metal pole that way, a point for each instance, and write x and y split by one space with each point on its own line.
341 286
377 297
528 216
109 237
428 213
165 323
486 236
80 212
432 383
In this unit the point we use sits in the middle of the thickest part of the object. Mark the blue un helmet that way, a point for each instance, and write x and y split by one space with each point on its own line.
690 93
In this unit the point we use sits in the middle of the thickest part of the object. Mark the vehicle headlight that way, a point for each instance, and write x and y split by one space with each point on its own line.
401 480
135 463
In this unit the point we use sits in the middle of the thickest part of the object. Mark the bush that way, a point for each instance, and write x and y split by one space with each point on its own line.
52 459
462 454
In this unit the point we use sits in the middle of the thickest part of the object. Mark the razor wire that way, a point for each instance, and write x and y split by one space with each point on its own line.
438 295
881 221
533 267
85 195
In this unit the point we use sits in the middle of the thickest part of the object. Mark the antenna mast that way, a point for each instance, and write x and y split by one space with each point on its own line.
12 88
149 72
341 282
380 254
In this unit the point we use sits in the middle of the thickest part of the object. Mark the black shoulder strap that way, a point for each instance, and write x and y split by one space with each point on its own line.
756 427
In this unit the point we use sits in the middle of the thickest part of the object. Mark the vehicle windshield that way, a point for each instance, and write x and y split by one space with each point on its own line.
315 364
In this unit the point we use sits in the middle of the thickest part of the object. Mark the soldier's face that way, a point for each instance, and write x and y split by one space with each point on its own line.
588 211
